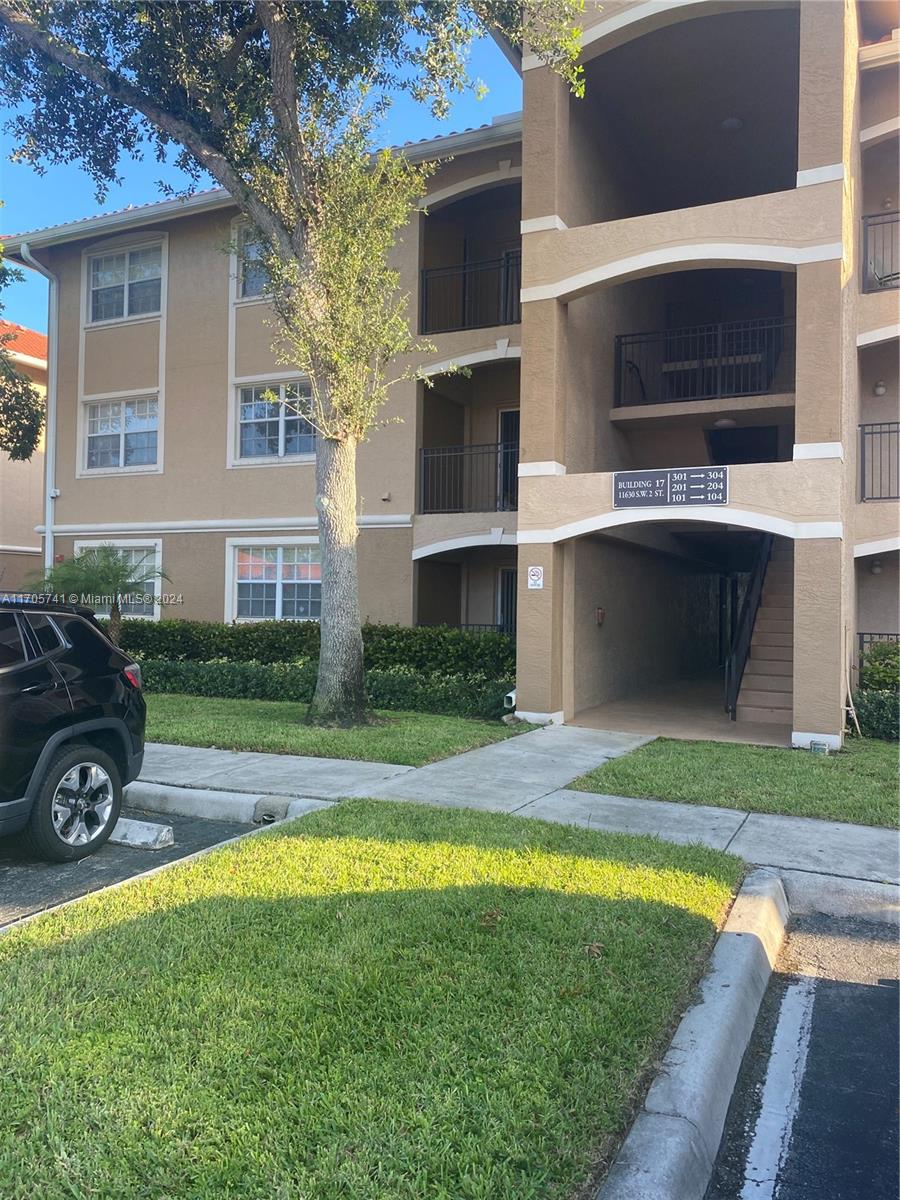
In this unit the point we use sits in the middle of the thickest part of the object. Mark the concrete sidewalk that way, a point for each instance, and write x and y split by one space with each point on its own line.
527 775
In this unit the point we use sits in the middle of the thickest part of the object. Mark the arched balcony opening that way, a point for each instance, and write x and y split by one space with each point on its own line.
471 261
701 111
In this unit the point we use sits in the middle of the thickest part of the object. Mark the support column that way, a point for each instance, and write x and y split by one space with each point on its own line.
543 386
541 635
821 625
820 119
820 353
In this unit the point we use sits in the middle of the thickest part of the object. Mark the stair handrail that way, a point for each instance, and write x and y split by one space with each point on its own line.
736 661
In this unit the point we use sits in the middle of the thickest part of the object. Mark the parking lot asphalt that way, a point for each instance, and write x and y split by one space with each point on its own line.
28 885
814 1112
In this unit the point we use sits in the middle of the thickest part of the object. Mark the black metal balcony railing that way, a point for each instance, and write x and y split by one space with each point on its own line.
705 362
472 296
470 479
879 461
881 251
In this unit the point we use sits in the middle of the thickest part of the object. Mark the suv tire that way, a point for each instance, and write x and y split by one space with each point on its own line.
77 804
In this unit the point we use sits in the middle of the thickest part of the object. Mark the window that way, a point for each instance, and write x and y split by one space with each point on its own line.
11 651
143 559
253 278
122 433
270 422
278 583
43 633
126 284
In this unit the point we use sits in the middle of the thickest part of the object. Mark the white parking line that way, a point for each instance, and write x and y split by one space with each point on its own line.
781 1092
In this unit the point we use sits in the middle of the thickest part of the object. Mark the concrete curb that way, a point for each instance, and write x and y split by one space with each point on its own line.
671 1148
247 808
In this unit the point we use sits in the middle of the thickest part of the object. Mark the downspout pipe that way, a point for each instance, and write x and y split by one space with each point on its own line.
50 489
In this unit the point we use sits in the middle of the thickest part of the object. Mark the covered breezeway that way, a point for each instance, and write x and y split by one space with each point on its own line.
655 619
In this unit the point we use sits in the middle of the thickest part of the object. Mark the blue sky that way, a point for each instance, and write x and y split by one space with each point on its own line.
65 193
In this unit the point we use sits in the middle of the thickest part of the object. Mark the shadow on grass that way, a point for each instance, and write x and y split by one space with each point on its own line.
193 1036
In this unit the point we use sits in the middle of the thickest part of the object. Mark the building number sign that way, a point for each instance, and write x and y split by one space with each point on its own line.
676 488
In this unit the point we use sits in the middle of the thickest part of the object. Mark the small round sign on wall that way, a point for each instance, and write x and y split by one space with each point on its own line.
535 577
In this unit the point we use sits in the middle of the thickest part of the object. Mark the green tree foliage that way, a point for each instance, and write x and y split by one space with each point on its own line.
100 577
277 101
21 404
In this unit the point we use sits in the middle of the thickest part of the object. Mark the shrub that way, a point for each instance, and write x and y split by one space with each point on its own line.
425 649
880 667
878 713
474 695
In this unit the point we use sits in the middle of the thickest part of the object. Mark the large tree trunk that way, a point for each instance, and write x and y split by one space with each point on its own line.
340 688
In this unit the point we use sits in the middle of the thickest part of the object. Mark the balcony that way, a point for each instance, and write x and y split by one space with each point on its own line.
473 296
879 461
881 252
470 479
705 362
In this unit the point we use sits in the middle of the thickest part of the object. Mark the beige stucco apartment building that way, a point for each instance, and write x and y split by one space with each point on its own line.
673 467
21 483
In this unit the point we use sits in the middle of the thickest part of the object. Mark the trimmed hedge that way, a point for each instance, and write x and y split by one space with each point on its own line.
878 713
473 695
425 649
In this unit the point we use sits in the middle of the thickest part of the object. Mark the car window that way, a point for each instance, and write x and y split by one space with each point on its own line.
11 648
44 632
93 650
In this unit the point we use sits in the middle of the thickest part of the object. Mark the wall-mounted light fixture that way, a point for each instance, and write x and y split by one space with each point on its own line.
724 423
732 124
879 389
876 567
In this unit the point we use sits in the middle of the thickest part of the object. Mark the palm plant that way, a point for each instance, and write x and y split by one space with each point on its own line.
99 577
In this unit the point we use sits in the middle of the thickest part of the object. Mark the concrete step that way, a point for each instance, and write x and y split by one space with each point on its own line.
758 682
762 664
772 637
763 699
764 716
773 624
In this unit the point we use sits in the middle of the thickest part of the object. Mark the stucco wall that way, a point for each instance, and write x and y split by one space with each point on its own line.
878 596
660 621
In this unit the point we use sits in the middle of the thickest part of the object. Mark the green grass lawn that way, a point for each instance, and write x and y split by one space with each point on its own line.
858 785
409 739
378 1001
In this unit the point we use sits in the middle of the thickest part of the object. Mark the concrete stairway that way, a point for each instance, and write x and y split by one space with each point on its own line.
767 689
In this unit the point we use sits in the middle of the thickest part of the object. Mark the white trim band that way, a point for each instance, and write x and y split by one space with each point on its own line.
636 264
802 741
502 350
541 468
712 514
872 337
817 450
639 12
541 224
496 537
882 546
877 133
505 172
813 175
401 521
540 718
19 549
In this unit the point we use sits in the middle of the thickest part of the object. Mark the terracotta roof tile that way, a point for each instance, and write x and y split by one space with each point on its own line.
27 342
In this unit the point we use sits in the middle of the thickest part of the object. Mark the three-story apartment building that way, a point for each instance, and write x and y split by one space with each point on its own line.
672 468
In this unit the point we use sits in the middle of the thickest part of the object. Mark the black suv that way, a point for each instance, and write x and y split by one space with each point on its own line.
71 727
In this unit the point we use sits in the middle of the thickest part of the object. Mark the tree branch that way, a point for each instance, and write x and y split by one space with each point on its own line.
25 31
284 103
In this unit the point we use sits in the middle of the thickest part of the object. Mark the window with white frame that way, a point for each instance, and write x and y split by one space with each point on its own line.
278 583
121 434
270 420
145 582
126 283
253 278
